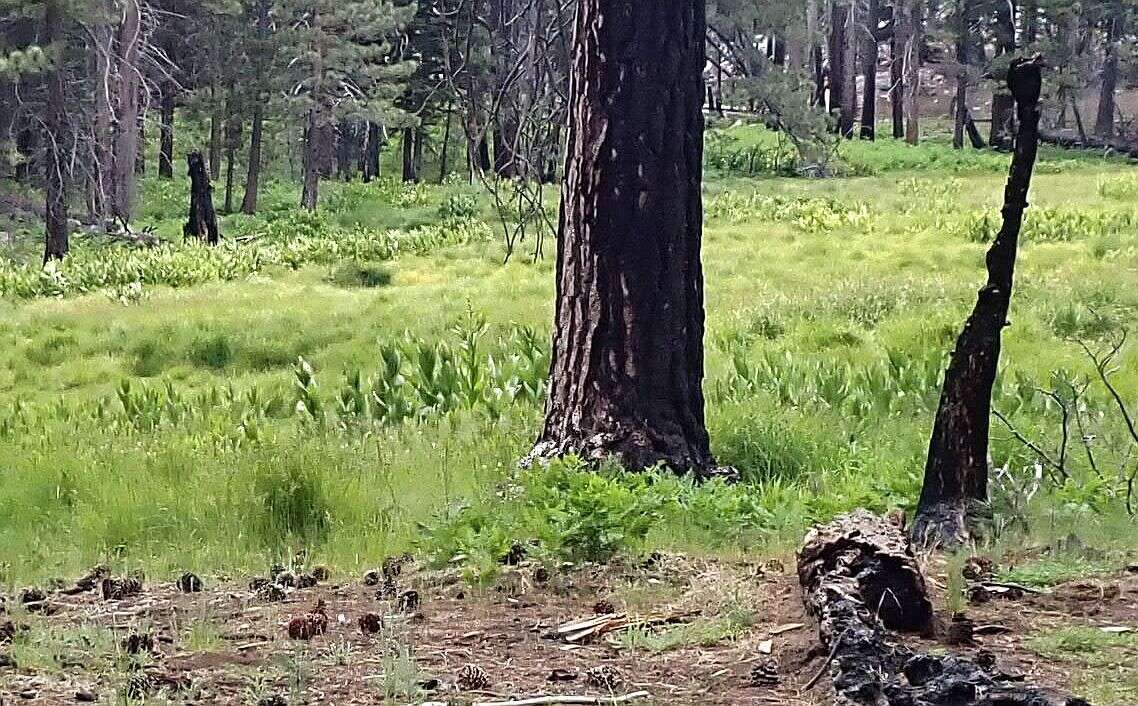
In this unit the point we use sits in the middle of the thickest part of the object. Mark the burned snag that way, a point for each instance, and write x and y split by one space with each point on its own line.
202 223
956 471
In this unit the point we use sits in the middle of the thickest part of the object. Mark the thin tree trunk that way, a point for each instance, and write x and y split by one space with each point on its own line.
253 174
372 152
443 166
1003 107
841 68
956 473
912 73
140 153
166 132
869 72
126 130
312 159
233 132
215 137
103 138
897 72
202 222
55 164
1104 120
409 173
627 372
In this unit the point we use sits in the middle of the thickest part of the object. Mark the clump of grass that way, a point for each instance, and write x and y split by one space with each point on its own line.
1053 571
361 274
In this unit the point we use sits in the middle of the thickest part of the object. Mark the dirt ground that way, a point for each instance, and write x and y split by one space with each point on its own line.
714 620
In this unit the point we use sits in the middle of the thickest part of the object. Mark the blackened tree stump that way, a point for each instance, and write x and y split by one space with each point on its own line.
860 579
202 223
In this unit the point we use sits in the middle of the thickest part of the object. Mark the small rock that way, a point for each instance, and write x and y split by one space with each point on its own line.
189 583
473 678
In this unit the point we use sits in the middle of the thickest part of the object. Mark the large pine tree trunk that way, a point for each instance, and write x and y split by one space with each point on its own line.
127 110
253 175
166 130
869 71
956 473
1104 121
55 163
627 374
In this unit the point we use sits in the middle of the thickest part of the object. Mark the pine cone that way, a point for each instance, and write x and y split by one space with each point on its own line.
118 589
309 625
473 678
370 623
765 673
189 583
138 643
604 676
271 592
371 578
604 607
408 602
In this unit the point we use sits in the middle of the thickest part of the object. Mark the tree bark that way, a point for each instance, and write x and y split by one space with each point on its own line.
869 71
166 132
55 164
843 91
1104 120
313 159
126 116
897 73
443 166
102 186
1003 107
859 577
202 223
409 172
912 73
956 473
627 373
215 122
372 152
253 173
233 129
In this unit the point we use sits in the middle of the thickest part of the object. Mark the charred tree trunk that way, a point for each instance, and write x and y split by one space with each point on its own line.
253 175
843 93
372 151
443 166
55 163
626 379
956 473
869 72
897 76
166 132
974 135
1104 120
859 578
409 173
202 223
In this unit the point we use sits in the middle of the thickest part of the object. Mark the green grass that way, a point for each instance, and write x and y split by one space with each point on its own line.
1101 663
831 307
